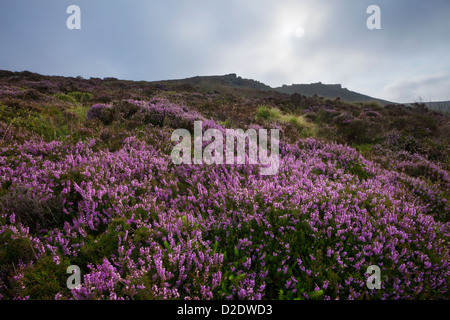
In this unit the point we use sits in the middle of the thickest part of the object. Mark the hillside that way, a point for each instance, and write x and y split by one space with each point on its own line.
87 179
231 80
328 91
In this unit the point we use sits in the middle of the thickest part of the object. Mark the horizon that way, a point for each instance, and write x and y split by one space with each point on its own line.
221 75
277 43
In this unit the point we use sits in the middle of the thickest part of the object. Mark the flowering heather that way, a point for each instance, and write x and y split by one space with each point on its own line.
112 202
141 227
95 111
163 112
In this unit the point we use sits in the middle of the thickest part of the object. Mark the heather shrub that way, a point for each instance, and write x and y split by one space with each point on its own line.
44 86
7 132
103 98
95 249
125 109
162 87
433 149
19 106
223 232
111 139
16 250
423 124
400 123
372 114
326 115
31 94
102 112
396 110
32 211
355 131
343 118
44 279
163 113
372 106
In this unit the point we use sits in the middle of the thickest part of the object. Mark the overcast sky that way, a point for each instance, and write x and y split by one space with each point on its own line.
273 41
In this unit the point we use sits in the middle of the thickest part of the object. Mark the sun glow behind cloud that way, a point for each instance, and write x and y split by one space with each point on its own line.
282 49
299 32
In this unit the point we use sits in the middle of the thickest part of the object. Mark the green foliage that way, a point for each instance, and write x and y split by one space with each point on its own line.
99 245
356 131
268 113
74 97
81 97
364 148
65 98
307 129
14 248
46 126
304 127
358 170
300 295
44 279
227 123
79 111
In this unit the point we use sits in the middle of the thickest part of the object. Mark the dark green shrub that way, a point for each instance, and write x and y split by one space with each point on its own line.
326 115
355 131
103 98
373 106
65 98
32 211
15 248
125 109
102 112
44 279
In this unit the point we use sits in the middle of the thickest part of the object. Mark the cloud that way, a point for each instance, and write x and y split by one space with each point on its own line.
428 87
